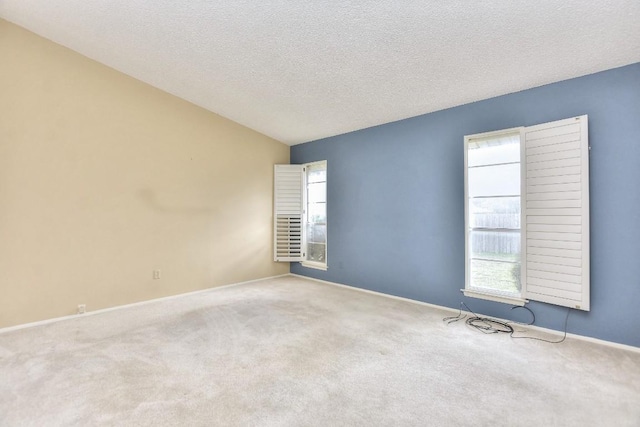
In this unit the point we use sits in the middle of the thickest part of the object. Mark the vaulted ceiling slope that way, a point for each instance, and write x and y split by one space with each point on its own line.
300 70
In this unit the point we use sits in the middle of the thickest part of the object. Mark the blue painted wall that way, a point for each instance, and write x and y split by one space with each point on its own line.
396 201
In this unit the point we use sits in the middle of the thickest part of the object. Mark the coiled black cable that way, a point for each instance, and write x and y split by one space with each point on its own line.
488 325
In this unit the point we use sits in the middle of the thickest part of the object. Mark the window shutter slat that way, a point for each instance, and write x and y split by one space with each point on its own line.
556 226
287 205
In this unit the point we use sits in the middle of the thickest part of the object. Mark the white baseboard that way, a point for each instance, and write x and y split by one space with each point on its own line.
134 304
455 310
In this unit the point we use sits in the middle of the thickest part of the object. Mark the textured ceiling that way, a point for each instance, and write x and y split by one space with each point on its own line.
301 70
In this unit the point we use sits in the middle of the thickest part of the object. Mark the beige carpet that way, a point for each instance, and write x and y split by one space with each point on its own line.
292 352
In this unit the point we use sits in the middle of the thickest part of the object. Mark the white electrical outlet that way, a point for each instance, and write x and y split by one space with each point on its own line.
82 308
156 274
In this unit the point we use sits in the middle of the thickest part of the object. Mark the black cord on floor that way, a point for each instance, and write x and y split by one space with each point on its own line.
453 319
533 316
564 336
487 325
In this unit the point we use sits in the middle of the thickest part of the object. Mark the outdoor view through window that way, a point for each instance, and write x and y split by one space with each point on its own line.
493 227
316 212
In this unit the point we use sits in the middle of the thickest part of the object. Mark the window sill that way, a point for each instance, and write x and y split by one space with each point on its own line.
316 265
506 299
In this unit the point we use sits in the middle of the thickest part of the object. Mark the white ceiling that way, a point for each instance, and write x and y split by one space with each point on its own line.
299 70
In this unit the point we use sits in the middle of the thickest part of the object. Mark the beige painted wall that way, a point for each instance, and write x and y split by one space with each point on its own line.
104 179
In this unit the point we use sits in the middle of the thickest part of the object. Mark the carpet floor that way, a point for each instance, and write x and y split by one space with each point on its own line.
293 352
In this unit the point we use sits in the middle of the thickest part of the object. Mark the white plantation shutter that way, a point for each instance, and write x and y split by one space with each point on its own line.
556 213
287 216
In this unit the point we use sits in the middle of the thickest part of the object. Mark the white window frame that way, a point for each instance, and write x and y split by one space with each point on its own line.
305 220
554 227
290 240
468 290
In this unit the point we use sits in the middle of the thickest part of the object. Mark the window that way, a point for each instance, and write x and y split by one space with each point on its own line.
493 213
527 214
315 214
300 214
